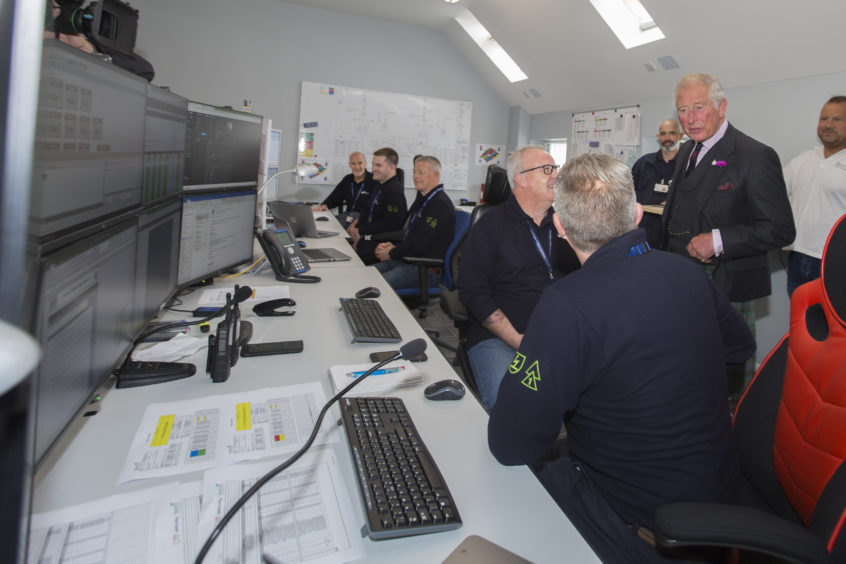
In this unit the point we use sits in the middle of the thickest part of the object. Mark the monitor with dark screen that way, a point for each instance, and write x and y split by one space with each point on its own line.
156 259
222 148
217 233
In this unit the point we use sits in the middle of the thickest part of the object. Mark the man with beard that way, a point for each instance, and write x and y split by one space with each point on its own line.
652 174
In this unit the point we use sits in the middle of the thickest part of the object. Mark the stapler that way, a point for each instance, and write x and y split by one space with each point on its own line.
268 308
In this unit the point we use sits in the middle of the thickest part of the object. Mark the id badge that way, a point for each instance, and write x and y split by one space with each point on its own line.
662 188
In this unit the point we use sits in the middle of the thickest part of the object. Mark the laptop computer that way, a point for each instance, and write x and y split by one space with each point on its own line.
325 255
299 217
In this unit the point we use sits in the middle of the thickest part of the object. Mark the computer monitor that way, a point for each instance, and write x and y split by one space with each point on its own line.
165 122
83 323
222 149
217 233
156 260
89 141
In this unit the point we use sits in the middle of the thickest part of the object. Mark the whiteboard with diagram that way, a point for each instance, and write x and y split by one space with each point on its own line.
338 120
614 131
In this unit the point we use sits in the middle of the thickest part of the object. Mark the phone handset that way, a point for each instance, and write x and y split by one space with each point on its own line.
282 251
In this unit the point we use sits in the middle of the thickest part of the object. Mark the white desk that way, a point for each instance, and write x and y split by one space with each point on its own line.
506 505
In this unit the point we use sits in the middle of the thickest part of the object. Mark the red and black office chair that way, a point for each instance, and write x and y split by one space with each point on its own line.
790 428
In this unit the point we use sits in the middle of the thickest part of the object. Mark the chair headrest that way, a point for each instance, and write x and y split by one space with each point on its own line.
497 188
834 270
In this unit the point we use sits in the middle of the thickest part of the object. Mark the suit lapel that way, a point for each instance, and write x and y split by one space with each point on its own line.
707 176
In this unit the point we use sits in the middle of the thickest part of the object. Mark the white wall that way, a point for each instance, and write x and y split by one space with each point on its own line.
782 114
221 53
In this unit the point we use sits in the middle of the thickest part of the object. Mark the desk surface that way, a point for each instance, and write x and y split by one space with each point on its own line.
506 505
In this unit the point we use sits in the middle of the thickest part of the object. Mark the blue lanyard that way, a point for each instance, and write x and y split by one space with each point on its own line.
544 255
373 201
419 212
354 193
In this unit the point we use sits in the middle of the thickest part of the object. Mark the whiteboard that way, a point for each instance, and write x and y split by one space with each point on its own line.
338 120
614 132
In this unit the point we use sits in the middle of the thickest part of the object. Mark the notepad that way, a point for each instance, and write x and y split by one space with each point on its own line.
393 375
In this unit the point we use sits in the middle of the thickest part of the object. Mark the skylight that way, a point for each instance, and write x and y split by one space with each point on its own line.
490 46
629 21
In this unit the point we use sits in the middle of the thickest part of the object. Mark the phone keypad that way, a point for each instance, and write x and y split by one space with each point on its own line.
296 260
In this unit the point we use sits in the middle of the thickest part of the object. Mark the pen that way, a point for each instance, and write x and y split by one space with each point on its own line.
376 373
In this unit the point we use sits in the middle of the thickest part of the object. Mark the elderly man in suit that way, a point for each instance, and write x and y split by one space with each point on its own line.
727 204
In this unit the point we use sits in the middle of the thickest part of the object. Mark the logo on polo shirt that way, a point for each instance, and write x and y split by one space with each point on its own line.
532 373
432 222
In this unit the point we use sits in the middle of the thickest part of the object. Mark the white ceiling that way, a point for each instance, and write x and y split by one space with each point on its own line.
574 61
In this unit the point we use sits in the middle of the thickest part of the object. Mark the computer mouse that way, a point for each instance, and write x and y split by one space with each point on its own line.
302 244
321 218
444 390
369 292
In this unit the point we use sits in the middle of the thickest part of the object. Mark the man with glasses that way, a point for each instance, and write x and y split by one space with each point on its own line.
629 352
510 257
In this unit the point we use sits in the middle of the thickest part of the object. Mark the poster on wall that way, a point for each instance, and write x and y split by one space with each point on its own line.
488 154
337 120
614 132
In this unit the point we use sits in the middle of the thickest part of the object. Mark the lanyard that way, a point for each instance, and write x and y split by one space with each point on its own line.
419 212
373 201
544 255
354 193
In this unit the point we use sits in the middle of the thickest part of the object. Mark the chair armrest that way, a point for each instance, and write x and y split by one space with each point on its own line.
452 306
747 528
423 261
387 236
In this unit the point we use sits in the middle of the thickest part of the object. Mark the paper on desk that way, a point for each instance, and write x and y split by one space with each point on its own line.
393 375
187 436
303 514
130 527
179 346
217 296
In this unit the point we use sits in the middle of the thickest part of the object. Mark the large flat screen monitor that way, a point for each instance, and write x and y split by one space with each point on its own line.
165 121
217 233
222 148
89 141
156 260
83 324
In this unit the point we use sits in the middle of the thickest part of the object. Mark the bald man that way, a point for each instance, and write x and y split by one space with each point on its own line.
652 174
351 192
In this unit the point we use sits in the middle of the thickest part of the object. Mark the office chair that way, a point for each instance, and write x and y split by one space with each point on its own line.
497 190
462 223
790 428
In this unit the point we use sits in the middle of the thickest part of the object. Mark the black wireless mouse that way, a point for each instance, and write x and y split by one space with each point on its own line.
444 390
322 218
369 292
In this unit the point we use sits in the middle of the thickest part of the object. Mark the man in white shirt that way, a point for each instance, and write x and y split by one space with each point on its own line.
816 186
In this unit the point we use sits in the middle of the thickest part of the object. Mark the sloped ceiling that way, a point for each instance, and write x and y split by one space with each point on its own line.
574 61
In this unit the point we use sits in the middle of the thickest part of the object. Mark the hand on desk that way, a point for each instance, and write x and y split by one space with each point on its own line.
321 207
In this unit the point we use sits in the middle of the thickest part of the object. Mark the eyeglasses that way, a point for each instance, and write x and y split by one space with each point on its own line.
547 169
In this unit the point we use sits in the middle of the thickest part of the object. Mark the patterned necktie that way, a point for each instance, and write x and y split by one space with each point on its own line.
693 155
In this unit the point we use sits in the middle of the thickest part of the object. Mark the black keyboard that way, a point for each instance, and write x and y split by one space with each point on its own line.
403 491
368 321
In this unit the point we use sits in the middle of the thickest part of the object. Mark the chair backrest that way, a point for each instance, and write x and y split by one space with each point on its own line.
806 413
462 224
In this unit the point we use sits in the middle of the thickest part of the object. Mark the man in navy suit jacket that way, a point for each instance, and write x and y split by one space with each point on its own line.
727 204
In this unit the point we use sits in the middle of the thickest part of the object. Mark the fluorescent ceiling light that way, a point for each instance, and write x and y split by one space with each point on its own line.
629 21
490 46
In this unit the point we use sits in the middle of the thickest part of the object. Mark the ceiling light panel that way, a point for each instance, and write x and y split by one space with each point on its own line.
490 46
629 21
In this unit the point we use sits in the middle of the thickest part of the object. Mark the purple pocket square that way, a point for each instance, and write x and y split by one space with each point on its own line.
726 186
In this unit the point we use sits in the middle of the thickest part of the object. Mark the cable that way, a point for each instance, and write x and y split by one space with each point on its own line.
409 350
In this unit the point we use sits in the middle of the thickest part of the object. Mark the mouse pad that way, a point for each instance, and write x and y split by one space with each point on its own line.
477 550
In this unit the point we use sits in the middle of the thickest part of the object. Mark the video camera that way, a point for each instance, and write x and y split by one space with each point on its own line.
110 23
